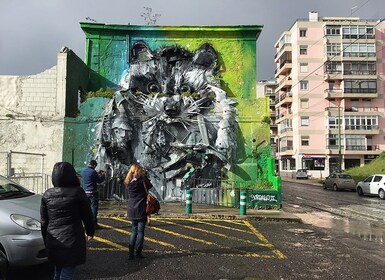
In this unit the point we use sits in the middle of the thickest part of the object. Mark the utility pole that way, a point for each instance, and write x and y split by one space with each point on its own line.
339 138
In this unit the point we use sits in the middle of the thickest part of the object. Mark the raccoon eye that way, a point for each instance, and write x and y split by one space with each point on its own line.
185 88
153 88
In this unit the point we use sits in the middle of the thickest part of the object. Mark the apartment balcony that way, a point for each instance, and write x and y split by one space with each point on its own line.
333 93
348 57
361 111
284 98
354 150
286 151
285 48
348 93
333 111
286 132
360 74
330 76
282 117
362 129
284 83
284 68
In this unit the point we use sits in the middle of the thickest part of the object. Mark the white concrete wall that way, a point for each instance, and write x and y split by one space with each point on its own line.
29 120
32 111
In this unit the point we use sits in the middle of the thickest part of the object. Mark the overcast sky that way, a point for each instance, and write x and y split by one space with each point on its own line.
32 32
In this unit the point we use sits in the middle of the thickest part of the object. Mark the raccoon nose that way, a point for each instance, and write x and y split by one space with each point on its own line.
172 109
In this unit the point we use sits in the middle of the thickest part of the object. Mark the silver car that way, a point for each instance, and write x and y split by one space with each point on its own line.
339 181
301 174
21 242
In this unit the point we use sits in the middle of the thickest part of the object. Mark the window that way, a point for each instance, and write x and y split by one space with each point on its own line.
333 122
304 103
361 122
304 140
355 142
333 49
303 67
304 121
369 179
332 141
377 179
359 50
333 30
360 86
302 32
303 50
333 67
366 103
357 32
303 85
360 68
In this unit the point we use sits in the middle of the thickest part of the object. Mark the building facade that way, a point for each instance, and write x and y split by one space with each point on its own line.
330 94
266 88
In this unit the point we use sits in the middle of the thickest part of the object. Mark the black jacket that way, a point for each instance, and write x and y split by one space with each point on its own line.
137 198
64 209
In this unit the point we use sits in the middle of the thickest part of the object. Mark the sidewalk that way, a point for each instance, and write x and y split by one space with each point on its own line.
200 211
206 211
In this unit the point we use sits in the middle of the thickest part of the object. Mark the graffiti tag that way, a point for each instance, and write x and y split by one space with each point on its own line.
263 197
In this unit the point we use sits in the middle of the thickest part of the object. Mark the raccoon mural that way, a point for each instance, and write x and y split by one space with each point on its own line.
173 118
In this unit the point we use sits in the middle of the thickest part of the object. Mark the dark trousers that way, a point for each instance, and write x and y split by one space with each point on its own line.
94 200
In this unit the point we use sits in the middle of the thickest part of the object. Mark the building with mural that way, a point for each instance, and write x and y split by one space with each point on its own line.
330 95
179 100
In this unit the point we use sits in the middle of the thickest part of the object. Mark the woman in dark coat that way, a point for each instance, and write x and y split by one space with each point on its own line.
64 209
136 181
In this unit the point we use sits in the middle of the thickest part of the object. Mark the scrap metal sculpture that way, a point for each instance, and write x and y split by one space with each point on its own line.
171 116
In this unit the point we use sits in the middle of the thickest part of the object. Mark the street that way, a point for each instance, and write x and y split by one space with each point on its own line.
342 210
241 249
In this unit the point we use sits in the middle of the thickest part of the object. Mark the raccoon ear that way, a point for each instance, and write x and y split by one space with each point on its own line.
206 57
140 52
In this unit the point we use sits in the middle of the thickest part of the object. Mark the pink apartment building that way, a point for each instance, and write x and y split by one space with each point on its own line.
330 107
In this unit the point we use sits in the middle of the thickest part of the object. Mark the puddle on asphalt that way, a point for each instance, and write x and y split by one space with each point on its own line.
366 231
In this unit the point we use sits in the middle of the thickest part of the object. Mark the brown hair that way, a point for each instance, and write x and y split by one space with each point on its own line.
135 171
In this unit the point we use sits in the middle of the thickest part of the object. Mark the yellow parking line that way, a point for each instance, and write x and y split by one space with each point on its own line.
110 243
254 231
216 233
262 238
175 234
128 233
204 241
222 226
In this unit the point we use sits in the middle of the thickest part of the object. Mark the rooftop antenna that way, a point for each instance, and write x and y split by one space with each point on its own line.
352 10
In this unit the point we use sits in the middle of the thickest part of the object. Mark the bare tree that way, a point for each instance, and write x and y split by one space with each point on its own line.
149 18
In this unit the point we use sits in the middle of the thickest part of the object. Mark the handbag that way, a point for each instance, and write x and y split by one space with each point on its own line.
153 205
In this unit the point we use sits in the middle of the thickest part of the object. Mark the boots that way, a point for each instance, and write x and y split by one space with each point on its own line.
130 252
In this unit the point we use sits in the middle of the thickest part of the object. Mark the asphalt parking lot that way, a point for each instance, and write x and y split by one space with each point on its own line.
183 248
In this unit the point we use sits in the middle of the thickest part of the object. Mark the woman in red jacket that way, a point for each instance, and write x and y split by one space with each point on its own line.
64 209
136 182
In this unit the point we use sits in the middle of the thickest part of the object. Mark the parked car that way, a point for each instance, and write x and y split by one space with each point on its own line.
21 242
301 174
372 185
339 181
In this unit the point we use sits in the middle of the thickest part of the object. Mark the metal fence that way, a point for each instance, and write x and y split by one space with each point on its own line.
25 169
205 191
